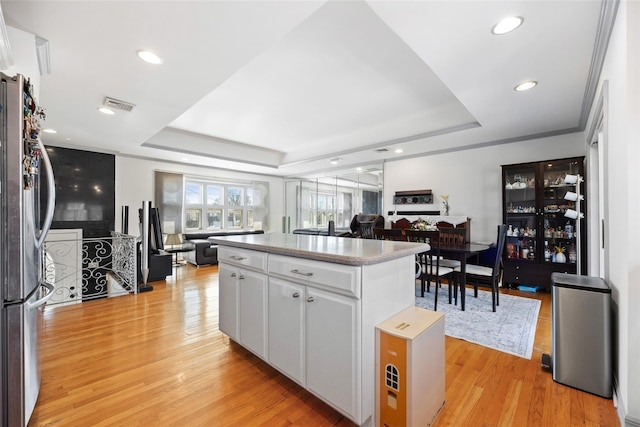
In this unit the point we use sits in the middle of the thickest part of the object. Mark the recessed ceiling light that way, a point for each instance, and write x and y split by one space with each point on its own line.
335 160
398 150
105 110
525 85
49 131
507 25
149 57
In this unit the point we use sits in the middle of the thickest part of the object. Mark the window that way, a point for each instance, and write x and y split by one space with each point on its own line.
217 206
326 206
214 218
234 196
214 195
193 219
193 194
392 378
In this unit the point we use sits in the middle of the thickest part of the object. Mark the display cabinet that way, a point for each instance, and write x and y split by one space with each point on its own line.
540 238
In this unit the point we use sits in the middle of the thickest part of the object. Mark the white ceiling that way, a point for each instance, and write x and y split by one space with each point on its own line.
281 87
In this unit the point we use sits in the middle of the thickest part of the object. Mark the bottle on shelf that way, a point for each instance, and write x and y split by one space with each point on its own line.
573 255
568 230
547 252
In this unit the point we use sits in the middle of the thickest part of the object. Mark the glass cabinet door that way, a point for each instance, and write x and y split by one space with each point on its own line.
559 230
521 212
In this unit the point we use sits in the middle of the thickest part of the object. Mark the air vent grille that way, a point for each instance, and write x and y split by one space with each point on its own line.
117 104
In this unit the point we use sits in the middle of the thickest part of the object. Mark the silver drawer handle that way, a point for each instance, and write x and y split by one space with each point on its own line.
233 275
311 299
237 258
296 295
240 277
302 273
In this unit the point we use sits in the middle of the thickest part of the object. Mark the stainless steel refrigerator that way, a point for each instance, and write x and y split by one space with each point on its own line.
24 171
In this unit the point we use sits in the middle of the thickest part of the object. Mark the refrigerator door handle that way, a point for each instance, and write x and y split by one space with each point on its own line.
51 199
45 298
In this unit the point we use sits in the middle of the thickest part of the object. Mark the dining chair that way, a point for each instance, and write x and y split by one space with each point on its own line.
365 229
430 262
388 234
450 236
362 225
402 223
487 275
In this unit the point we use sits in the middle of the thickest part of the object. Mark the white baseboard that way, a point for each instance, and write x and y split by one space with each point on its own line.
625 420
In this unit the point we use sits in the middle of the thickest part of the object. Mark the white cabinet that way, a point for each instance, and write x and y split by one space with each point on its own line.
243 300
253 311
313 339
332 344
313 327
286 328
228 300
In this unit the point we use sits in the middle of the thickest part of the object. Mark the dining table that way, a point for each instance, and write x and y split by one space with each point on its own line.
462 253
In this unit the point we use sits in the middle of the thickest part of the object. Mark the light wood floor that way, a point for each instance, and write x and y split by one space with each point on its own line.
158 359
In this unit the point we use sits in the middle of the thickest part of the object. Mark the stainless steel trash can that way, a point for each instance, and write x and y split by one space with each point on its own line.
581 335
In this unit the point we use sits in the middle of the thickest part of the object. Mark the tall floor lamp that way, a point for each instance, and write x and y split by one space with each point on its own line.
575 214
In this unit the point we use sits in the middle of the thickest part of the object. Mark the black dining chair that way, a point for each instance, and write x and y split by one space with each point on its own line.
487 275
451 236
365 229
430 262
362 225
388 234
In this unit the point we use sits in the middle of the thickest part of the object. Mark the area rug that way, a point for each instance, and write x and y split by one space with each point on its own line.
510 329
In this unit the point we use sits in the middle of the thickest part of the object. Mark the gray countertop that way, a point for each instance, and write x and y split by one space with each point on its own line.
338 250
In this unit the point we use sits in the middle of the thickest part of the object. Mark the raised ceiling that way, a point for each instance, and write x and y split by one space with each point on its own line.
281 87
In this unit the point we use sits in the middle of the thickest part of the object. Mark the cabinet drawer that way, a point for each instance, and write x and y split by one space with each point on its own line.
253 260
344 279
522 278
525 274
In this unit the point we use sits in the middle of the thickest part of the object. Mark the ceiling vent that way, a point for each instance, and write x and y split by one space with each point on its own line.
381 150
117 104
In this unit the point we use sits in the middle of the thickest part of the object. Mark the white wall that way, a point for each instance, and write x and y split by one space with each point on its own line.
135 183
23 49
473 178
622 201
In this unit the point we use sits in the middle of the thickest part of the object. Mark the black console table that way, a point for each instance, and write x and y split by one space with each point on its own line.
160 266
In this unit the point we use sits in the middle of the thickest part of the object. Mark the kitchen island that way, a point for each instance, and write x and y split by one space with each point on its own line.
308 306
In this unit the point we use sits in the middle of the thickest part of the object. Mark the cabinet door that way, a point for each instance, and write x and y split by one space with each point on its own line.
521 211
286 328
560 231
333 349
253 311
228 300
